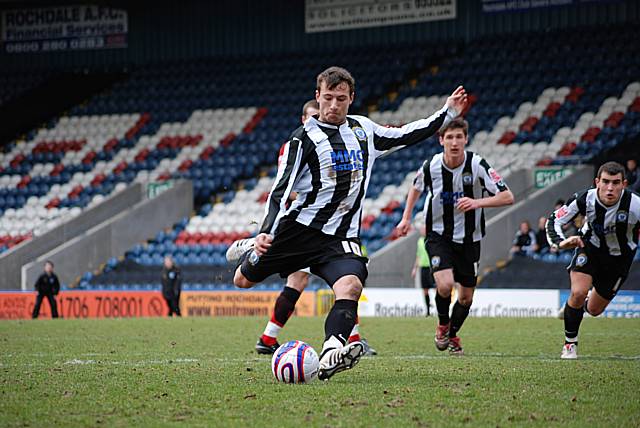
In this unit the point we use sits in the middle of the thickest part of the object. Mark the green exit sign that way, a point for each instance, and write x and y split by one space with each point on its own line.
154 188
544 177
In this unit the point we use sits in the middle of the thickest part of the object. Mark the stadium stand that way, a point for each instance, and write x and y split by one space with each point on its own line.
13 85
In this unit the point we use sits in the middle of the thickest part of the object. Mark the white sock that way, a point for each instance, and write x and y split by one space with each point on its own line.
272 330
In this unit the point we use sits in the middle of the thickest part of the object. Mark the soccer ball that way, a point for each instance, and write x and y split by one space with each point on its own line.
295 362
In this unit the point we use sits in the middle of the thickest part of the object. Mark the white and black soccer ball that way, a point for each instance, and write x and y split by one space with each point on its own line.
295 362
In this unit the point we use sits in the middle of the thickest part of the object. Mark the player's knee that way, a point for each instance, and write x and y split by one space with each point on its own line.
465 300
578 297
353 290
298 281
593 310
348 287
240 281
444 288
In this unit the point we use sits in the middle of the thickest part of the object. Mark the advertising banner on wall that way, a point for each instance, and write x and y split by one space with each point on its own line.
239 303
392 302
63 28
125 304
497 6
409 302
333 15
626 304
515 303
85 304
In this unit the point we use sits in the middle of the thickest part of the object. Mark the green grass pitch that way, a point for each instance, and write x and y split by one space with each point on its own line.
204 372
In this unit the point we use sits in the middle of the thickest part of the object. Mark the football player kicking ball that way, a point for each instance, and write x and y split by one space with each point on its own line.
604 247
329 161
456 182
296 282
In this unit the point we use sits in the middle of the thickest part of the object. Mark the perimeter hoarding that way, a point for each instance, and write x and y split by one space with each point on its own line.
126 304
240 303
378 302
626 304
85 304
409 302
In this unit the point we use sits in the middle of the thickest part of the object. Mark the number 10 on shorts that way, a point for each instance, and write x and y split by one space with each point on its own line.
351 247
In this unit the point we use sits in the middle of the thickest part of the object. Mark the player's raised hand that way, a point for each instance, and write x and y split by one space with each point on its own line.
458 100
262 244
403 227
571 242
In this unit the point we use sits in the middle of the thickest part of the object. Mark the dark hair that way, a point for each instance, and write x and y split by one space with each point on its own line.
311 103
50 262
611 168
333 76
457 123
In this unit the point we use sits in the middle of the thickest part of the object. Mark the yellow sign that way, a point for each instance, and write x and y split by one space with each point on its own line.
239 303
324 301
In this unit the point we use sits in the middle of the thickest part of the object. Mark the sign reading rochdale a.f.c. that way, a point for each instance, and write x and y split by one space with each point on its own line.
63 28
324 15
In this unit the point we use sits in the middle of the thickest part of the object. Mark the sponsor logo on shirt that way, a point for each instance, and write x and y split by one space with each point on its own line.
562 211
450 198
601 230
347 160
497 179
435 261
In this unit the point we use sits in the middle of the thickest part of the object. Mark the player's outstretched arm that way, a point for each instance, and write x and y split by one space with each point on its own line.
563 215
387 138
405 224
571 242
499 200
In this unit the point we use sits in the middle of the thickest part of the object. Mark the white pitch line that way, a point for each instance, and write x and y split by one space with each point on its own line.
134 363
500 355
79 362
190 360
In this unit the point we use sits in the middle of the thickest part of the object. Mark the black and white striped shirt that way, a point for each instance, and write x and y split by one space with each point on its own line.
444 186
611 229
330 166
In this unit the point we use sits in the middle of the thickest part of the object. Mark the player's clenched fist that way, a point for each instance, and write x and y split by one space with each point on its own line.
263 242
403 227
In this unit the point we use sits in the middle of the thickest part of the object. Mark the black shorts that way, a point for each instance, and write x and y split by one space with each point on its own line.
296 246
608 272
426 277
462 258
